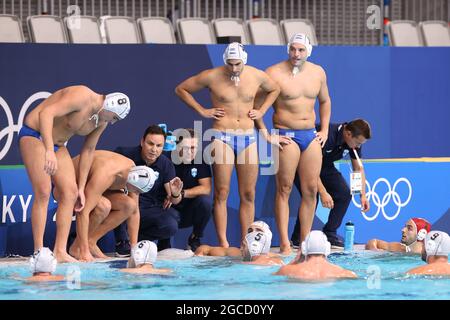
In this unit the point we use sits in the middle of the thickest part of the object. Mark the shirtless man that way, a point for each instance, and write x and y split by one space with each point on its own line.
301 82
435 254
112 195
42 265
142 259
413 235
315 248
256 226
233 89
75 110
256 249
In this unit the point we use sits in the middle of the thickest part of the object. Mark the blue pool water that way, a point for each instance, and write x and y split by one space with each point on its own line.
210 278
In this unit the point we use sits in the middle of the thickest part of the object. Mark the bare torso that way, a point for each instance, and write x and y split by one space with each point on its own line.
294 107
315 269
74 123
442 269
236 100
109 165
266 260
146 269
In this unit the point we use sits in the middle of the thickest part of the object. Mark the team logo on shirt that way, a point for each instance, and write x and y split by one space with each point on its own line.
194 172
345 153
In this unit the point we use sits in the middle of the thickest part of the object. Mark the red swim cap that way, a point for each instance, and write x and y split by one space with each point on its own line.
422 228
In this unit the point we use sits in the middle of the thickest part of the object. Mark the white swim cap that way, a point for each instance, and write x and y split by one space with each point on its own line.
302 39
142 177
264 227
235 50
43 260
258 243
437 243
118 103
144 252
316 242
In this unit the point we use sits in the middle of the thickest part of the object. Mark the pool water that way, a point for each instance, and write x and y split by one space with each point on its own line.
381 276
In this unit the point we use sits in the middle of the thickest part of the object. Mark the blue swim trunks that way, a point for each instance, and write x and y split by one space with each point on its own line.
238 142
302 137
26 131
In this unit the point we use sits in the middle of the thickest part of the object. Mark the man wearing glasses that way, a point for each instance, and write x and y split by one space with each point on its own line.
195 207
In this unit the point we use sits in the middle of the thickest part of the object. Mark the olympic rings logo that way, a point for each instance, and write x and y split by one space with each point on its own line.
11 127
381 203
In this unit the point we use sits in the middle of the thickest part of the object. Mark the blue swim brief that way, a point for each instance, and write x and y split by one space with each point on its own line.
238 142
302 137
26 131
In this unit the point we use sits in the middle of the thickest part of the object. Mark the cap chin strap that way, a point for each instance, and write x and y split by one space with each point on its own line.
236 80
95 116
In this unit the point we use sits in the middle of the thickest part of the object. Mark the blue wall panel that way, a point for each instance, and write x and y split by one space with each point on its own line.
403 92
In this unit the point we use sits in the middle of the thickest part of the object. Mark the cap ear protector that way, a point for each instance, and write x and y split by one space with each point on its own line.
421 235
235 50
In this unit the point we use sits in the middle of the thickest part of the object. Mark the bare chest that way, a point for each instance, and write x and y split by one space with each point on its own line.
299 87
228 92
77 123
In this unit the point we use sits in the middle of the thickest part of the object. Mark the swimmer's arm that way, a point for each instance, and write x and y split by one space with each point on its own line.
202 250
272 91
94 190
324 104
87 155
203 189
193 84
376 244
133 221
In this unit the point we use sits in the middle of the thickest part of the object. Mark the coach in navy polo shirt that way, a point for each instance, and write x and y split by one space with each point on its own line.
334 192
158 220
196 206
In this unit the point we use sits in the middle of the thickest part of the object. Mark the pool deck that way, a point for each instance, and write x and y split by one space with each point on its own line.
19 260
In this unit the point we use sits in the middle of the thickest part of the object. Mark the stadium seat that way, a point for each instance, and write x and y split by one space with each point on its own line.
121 30
47 29
435 33
156 30
11 29
404 33
293 26
226 27
265 31
83 29
195 31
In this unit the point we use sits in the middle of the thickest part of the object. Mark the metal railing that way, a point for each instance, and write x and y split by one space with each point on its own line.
337 22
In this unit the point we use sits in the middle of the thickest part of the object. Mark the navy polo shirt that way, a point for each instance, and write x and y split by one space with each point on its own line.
335 147
155 197
190 173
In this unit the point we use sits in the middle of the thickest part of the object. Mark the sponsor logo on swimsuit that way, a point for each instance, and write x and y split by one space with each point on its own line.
290 134
382 201
194 172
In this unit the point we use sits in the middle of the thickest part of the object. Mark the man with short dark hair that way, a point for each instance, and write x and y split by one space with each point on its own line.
343 138
158 221
195 207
